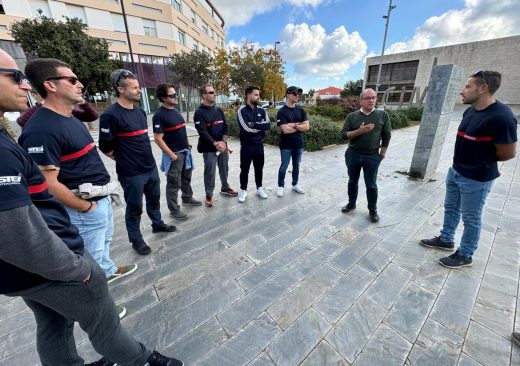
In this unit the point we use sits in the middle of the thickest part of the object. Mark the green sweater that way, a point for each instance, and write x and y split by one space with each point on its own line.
369 142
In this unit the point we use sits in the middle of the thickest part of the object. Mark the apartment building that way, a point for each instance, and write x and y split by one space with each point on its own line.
157 28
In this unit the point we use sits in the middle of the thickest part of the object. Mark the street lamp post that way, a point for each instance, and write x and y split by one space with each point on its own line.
128 36
272 96
387 17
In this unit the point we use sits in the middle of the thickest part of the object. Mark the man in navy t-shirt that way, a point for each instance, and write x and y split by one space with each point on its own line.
170 135
211 125
123 136
67 156
42 258
486 135
293 123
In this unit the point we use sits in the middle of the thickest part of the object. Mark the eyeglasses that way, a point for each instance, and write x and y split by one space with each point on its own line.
173 96
17 75
295 94
124 74
71 79
210 92
480 74
369 98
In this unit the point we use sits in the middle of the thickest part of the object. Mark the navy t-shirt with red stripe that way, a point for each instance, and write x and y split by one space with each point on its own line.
125 131
22 184
479 131
53 139
171 123
286 115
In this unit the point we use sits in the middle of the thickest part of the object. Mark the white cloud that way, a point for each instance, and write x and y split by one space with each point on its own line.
312 51
478 20
240 12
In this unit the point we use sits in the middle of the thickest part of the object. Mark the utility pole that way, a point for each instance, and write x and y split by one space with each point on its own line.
128 38
387 17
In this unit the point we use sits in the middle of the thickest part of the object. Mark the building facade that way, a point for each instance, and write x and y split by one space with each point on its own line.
412 69
157 28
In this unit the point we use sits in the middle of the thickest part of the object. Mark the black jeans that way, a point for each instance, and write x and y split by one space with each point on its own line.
370 164
251 153
57 305
134 187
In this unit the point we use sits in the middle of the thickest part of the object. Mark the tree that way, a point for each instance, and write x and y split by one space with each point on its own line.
221 72
68 41
274 86
191 70
352 88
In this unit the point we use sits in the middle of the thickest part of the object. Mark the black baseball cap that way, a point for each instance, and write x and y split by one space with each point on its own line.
292 89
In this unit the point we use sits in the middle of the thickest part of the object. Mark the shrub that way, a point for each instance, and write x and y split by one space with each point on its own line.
398 118
413 113
335 109
323 132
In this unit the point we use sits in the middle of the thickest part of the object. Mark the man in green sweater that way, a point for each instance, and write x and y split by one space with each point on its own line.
368 132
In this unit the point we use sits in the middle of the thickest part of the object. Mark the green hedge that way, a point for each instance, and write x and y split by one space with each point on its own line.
323 132
398 118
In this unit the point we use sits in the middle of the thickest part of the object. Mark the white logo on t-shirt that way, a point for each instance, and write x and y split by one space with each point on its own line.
35 150
9 180
105 130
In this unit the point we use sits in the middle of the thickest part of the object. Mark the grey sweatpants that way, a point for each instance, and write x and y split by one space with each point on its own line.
57 305
178 177
211 160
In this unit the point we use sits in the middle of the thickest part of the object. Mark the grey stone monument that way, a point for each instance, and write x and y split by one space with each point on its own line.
443 92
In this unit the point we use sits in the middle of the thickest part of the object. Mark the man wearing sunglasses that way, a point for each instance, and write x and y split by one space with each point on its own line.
67 156
43 261
123 136
368 132
211 125
486 135
293 123
170 135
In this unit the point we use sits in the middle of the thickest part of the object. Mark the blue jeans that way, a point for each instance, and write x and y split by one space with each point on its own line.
464 197
286 155
134 188
96 228
370 164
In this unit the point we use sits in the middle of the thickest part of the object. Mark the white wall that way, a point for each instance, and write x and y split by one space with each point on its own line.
165 30
17 8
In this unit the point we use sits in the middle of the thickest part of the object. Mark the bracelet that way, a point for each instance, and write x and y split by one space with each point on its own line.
89 207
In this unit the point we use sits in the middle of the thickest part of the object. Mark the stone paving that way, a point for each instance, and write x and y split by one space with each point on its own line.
293 281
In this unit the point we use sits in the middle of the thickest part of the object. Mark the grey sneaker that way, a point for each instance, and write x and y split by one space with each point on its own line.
121 310
179 215
122 272
191 202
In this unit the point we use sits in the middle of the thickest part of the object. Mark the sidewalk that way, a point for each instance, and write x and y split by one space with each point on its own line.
292 280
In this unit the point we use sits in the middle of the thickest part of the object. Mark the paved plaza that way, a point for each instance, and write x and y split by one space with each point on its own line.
293 281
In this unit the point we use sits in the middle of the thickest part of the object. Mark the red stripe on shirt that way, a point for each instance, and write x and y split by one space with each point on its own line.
214 123
474 138
38 188
78 154
175 127
133 133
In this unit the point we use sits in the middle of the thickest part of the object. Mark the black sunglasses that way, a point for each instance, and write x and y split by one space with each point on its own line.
173 96
17 75
295 94
480 74
210 92
71 79
124 74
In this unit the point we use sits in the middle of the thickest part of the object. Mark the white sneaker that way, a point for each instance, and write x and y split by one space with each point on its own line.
279 192
261 193
242 195
298 189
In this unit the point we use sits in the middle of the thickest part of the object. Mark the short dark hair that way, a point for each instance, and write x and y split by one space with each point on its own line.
492 79
117 78
202 89
162 91
250 90
42 69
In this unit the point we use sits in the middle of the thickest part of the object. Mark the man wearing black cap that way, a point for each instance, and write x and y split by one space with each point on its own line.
123 136
293 123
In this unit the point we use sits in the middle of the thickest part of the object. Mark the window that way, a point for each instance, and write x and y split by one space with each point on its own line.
176 5
118 22
195 47
182 38
125 57
147 8
77 12
115 41
114 56
205 28
38 6
157 60
2 11
145 59
149 28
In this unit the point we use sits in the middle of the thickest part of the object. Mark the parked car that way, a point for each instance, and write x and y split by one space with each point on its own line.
279 104
265 104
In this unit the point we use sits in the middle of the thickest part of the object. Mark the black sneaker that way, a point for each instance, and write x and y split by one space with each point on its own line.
101 362
163 229
141 247
436 242
456 260
374 217
348 207
156 359
191 202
